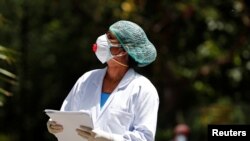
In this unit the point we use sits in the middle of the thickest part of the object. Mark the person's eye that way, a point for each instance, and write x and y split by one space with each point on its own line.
108 36
111 38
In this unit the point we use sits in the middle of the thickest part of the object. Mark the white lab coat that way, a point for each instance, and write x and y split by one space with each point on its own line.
130 111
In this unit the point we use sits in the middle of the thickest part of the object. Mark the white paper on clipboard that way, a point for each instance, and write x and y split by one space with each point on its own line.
70 121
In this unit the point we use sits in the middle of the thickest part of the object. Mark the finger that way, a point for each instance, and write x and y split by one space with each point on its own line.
51 123
55 123
83 134
84 128
54 131
88 130
56 127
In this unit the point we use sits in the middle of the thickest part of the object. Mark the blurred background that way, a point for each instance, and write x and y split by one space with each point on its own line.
202 71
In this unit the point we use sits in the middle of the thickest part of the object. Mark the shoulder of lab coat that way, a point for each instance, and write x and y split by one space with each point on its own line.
91 76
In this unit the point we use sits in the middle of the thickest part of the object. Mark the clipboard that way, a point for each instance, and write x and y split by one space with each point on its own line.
71 120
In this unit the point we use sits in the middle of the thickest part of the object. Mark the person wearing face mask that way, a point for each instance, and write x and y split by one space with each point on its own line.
123 104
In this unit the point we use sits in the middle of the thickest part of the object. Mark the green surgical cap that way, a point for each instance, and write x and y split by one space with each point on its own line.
134 41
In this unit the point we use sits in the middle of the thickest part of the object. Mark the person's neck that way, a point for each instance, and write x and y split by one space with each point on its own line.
116 73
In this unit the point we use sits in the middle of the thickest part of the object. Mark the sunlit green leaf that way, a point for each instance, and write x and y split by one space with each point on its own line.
5 92
7 73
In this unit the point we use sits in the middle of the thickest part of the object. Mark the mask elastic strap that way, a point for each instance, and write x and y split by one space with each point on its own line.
119 55
119 63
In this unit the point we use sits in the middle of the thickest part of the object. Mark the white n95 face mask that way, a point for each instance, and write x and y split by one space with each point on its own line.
102 49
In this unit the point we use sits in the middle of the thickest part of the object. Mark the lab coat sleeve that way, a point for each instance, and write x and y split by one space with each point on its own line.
70 102
146 112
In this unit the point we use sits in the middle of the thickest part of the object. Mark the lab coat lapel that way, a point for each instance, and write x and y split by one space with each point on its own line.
128 77
97 81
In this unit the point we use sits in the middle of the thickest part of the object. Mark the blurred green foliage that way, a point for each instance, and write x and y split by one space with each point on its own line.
202 71
7 78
